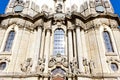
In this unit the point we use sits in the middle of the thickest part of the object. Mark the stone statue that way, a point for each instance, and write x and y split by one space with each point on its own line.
26 66
91 66
86 65
59 8
41 65
74 67
44 8
68 12
74 8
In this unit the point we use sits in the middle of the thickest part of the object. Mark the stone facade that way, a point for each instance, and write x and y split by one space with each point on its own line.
91 48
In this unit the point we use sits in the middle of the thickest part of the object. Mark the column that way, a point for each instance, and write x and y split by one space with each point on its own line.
37 48
47 49
79 49
70 45
74 40
69 78
42 44
70 48
39 40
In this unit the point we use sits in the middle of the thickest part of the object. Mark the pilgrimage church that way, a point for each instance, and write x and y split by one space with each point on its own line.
59 40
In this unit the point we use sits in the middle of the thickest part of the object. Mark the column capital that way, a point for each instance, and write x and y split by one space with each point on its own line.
40 27
70 29
48 30
77 26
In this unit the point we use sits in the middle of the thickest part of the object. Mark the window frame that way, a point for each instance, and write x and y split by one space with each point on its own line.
10 28
57 39
106 33
102 28
8 40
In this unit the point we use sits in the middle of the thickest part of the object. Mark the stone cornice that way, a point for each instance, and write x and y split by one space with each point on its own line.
23 16
74 15
35 74
94 16
36 20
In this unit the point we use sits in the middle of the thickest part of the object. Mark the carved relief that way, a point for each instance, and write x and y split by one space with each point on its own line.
59 17
64 61
52 62
58 60
41 65
27 65
20 2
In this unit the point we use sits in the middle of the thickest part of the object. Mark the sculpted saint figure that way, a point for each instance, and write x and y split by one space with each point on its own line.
26 66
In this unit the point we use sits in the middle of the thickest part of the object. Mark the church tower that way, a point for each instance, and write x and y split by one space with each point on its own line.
59 40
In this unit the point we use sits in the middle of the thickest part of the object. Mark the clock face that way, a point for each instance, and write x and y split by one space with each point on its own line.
18 8
100 9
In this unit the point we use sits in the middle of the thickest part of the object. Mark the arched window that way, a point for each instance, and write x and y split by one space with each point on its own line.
59 42
9 41
107 41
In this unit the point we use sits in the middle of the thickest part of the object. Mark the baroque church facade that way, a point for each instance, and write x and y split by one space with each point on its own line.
79 42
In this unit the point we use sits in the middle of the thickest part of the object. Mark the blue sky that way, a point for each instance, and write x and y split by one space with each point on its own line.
3 4
115 3
116 6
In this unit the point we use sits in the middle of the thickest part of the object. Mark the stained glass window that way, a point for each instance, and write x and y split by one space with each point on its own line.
107 41
9 41
59 42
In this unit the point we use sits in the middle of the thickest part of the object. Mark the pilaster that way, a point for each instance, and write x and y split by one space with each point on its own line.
79 48
47 49
37 48
85 54
70 44
42 44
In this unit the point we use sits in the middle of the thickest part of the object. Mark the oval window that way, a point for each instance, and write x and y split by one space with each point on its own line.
18 8
2 65
114 66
